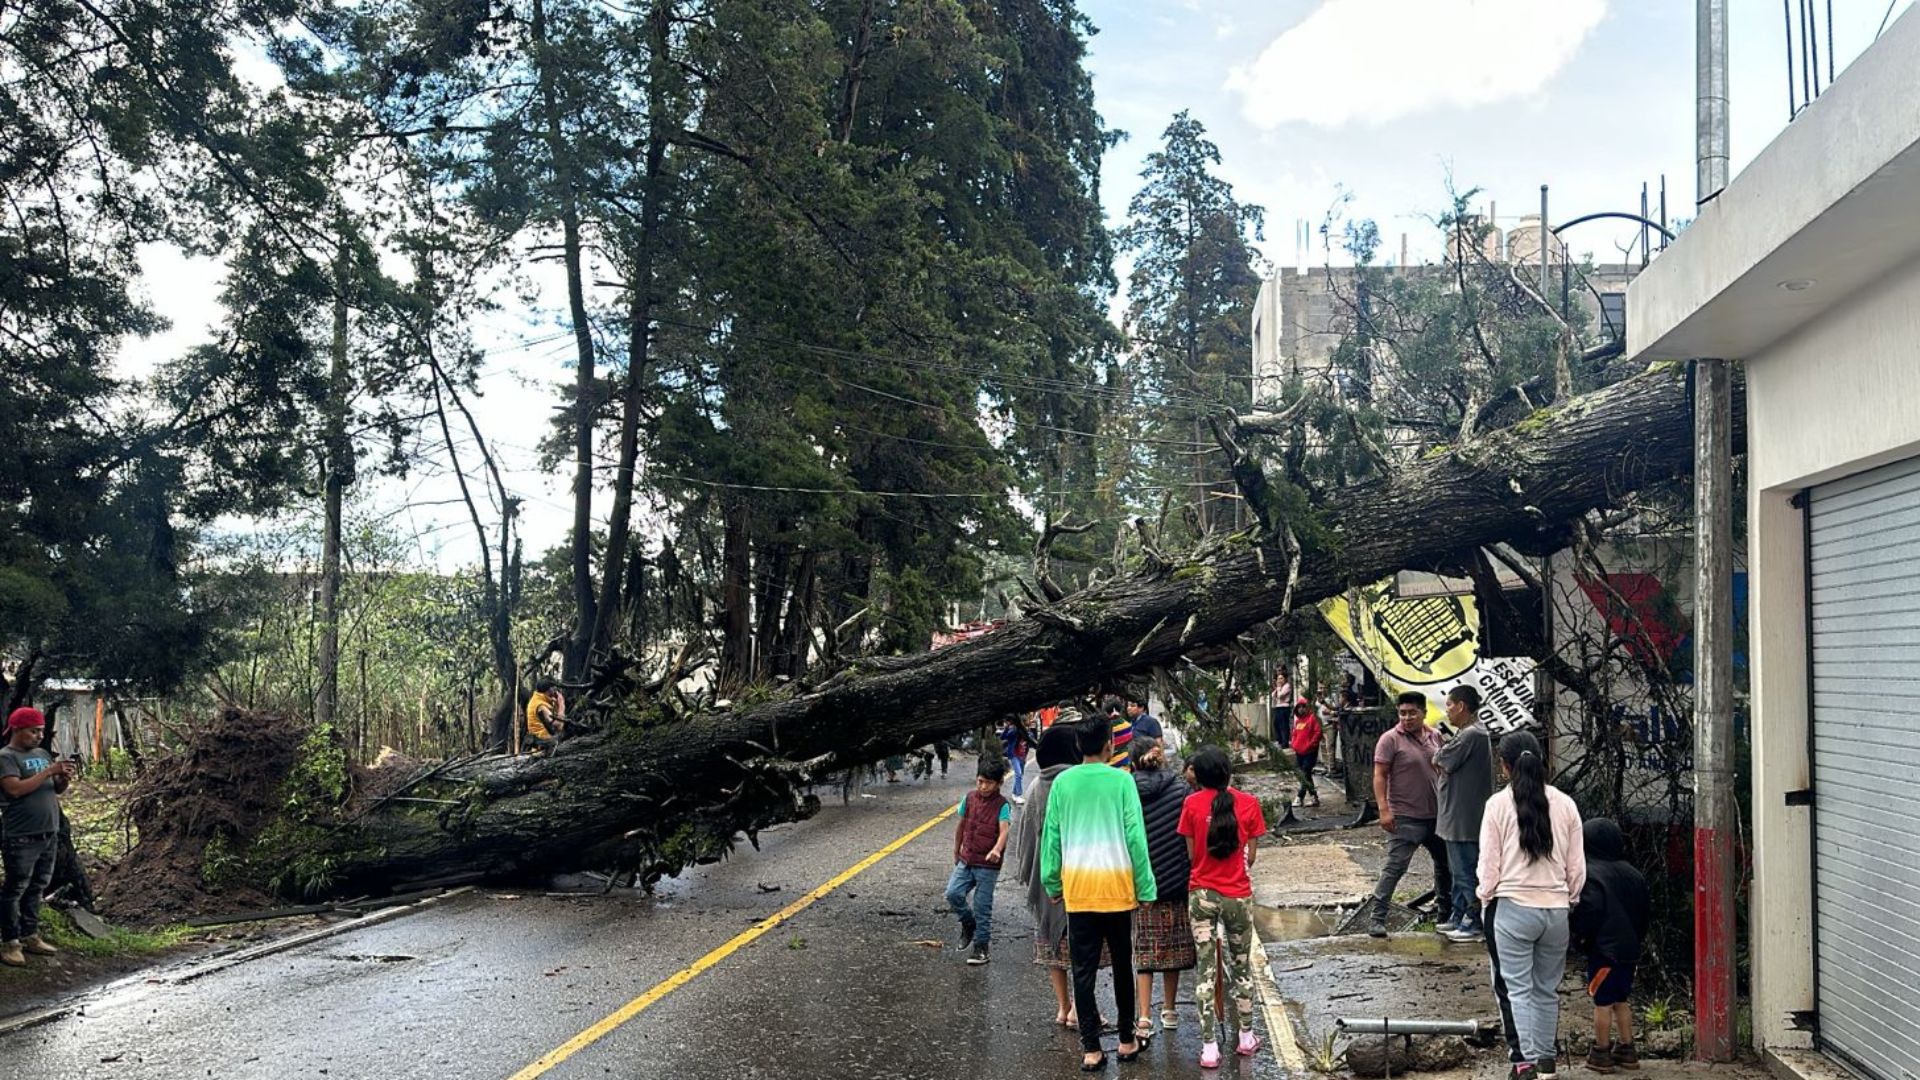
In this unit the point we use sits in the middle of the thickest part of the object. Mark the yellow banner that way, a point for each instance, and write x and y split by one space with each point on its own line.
1431 645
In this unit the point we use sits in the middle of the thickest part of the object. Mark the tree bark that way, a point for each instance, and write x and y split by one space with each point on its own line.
640 298
736 588
634 794
586 391
339 466
790 649
771 567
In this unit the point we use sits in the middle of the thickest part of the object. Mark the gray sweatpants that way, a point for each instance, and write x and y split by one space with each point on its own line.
1530 957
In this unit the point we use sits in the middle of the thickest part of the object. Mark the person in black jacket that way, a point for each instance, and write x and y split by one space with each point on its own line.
1609 923
1162 931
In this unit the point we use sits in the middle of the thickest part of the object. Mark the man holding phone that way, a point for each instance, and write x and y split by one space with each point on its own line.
31 782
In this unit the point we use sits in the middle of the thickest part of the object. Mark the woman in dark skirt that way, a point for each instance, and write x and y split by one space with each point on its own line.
1162 931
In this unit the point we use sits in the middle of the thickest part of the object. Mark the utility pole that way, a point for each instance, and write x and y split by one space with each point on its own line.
1545 237
1714 809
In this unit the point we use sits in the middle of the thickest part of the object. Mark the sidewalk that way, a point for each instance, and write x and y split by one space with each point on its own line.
1310 875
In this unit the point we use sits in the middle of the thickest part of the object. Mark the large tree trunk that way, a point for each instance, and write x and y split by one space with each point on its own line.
647 790
586 390
339 465
640 315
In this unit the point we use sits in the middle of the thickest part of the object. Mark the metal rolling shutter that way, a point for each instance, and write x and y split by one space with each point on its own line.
1864 590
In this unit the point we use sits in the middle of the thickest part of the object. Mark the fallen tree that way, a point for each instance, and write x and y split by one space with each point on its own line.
659 790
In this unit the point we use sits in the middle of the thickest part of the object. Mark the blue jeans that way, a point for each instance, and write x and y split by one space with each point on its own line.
979 881
1463 858
1019 766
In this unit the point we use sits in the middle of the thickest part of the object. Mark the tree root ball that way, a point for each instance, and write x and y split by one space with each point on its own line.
210 798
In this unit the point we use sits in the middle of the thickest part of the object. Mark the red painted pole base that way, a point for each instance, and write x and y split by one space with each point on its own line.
1714 965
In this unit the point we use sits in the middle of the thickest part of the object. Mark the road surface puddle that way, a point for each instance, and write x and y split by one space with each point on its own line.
1277 924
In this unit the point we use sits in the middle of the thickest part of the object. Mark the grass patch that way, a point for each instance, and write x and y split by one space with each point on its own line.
60 931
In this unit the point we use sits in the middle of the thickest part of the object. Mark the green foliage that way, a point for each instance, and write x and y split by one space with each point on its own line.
1190 295
118 764
133 128
1439 353
121 941
1324 1055
413 642
220 865
318 781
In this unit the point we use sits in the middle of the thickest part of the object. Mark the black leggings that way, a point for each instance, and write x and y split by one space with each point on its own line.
1086 932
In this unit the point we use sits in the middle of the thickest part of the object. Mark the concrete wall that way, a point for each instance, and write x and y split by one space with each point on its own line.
1834 398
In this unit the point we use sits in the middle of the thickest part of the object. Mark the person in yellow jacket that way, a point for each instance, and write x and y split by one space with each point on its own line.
546 716
1093 859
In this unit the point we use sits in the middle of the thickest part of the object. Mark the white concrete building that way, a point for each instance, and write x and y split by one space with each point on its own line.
1806 269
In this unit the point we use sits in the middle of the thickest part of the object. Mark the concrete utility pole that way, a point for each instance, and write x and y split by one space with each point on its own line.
1714 808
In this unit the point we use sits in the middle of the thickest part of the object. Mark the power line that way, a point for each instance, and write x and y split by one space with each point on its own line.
1033 382
927 494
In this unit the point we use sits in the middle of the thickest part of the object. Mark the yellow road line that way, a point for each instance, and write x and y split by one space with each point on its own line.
1274 1008
739 941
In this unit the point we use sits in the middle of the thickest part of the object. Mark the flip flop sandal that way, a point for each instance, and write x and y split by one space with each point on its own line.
1096 1066
1140 1047
1143 1028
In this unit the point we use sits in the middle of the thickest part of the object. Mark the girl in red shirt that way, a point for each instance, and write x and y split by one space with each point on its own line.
1221 824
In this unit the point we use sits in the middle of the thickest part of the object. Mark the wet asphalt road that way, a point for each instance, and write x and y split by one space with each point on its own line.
484 984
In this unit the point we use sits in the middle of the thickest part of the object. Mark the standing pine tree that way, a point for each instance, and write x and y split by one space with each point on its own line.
1190 294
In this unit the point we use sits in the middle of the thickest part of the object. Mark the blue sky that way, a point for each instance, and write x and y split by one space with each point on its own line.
1386 98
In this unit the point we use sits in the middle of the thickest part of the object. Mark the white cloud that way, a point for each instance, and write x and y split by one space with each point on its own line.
1373 61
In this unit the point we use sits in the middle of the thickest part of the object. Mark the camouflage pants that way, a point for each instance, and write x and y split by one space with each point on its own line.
1227 919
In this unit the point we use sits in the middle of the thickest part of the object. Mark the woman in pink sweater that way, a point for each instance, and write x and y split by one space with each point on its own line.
1532 865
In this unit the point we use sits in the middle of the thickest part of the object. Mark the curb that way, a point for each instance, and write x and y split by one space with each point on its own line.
22 1021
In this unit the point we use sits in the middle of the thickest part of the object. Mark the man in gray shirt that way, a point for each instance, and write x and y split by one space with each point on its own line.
30 786
1465 765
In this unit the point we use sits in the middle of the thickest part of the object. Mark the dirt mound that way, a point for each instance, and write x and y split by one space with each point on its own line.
221 789
390 772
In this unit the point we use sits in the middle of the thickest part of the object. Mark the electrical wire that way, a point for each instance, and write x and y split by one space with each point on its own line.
1035 382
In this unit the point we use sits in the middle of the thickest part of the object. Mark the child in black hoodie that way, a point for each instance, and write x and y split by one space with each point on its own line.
1609 923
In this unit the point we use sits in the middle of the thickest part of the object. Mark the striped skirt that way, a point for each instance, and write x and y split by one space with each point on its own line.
1054 954
1163 937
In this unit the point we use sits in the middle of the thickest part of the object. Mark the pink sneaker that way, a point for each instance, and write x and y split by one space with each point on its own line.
1210 1056
1249 1044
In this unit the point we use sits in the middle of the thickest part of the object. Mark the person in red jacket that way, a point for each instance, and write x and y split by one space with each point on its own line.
1306 751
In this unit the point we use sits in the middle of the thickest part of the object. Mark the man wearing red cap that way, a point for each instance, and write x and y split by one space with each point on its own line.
30 786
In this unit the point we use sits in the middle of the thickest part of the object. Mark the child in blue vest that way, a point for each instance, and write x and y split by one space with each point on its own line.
979 844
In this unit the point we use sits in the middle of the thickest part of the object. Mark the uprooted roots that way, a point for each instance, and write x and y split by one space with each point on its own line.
213 796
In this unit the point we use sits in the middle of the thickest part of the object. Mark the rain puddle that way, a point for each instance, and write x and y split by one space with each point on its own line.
1290 923
1277 925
